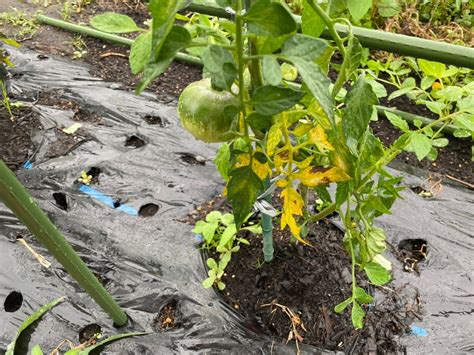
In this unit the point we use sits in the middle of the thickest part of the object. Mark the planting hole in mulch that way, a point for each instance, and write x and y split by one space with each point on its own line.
168 316
412 252
192 159
13 302
154 120
90 332
117 203
135 142
148 210
61 200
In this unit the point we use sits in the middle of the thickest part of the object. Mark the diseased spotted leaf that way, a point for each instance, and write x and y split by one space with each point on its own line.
313 176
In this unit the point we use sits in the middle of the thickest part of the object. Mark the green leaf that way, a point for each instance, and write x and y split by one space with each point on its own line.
375 242
426 82
207 283
465 121
228 234
397 121
269 100
221 285
259 122
361 296
378 88
358 8
220 64
354 53
461 133
388 8
211 263
449 93
271 70
222 161
140 53
316 82
377 274
400 92
243 189
342 192
227 219
359 105
304 47
440 142
311 23
289 72
29 321
36 350
112 22
163 13
206 229
270 19
357 316
177 39
431 68
420 145
343 305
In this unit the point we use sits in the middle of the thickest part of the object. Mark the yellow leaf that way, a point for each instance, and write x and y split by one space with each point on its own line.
302 129
274 137
280 159
319 138
282 183
292 206
262 170
313 176
305 163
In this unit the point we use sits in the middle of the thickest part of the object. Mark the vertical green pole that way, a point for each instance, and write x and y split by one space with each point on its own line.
14 195
267 228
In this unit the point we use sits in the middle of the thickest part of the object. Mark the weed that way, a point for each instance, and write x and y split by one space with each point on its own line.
27 24
79 46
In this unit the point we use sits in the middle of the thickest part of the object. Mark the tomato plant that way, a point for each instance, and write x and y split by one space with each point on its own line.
289 137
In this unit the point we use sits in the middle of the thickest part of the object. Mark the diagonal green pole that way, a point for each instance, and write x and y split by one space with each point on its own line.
14 195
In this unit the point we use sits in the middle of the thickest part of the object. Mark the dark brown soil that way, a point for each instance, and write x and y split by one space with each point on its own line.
15 137
15 133
309 282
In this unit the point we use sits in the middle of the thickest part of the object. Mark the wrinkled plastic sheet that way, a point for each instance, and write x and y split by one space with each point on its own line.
149 261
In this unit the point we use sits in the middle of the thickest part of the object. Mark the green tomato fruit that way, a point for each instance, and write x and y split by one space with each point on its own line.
201 110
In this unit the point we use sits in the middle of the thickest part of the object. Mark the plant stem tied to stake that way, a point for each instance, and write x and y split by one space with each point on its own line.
17 198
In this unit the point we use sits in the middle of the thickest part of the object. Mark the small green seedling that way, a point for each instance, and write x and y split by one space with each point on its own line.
219 233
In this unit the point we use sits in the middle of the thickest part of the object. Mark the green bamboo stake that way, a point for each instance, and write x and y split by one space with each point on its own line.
14 195
386 41
109 37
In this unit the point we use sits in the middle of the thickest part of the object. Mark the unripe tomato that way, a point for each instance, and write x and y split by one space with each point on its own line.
201 110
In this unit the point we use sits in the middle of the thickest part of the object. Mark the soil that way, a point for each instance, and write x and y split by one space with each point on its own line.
309 282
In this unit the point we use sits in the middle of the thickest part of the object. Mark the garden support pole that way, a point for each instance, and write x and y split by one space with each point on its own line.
386 41
14 195
109 37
